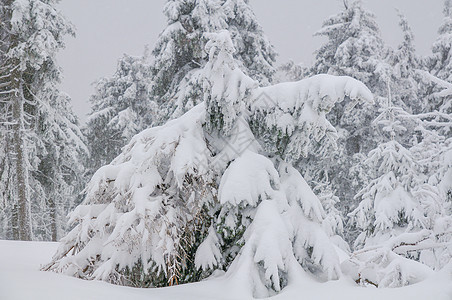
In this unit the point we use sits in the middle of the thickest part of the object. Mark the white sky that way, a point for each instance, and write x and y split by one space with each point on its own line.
108 28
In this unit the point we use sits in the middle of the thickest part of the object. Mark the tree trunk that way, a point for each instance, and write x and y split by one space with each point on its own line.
14 221
53 219
21 159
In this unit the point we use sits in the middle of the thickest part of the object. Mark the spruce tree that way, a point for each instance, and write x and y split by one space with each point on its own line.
179 51
59 176
353 48
404 78
440 63
402 214
203 192
150 94
121 108
252 47
36 123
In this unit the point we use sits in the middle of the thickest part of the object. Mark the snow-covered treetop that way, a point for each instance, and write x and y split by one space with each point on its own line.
253 48
39 30
120 108
405 55
403 78
180 51
441 65
354 44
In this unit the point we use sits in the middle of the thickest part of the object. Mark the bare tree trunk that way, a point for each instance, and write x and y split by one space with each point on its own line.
21 159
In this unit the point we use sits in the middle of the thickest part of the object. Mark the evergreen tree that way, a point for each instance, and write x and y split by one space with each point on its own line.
179 52
402 214
199 193
388 201
59 176
141 94
353 48
404 64
36 122
252 47
440 64
120 109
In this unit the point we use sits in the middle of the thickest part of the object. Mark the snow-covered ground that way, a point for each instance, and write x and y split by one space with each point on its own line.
20 278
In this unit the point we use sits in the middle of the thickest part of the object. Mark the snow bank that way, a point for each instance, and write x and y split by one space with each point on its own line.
21 280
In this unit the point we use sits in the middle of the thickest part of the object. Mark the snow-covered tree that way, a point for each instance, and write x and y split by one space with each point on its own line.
41 134
353 48
179 52
59 176
200 193
440 64
253 48
121 107
333 224
403 78
402 215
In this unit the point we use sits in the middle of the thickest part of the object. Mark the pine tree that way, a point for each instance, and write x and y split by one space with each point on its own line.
253 48
353 48
405 64
440 64
401 214
120 109
153 93
435 84
179 52
32 32
59 175
199 194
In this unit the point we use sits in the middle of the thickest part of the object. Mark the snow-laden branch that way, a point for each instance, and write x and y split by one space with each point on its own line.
294 113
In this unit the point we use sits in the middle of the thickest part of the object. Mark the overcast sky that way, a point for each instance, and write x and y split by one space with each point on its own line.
108 28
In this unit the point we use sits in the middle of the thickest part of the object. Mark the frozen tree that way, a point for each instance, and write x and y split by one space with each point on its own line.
436 82
59 176
387 202
402 214
353 48
199 194
403 79
121 107
253 48
179 52
440 63
333 223
8 211
433 152
32 31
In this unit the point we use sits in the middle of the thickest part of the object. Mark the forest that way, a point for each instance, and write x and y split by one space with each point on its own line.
203 159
